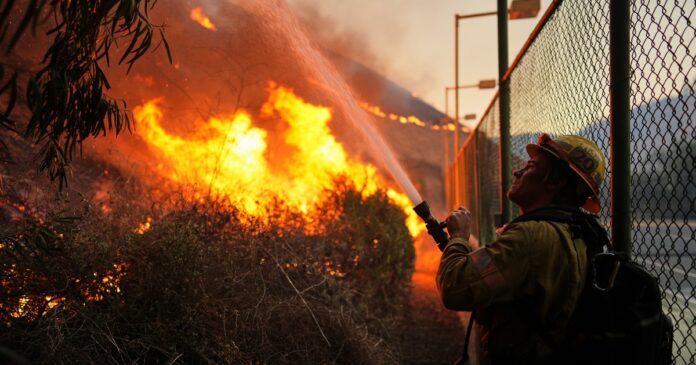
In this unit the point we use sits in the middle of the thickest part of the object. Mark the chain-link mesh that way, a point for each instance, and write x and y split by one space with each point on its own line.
663 141
470 179
489 172
478 187
561 86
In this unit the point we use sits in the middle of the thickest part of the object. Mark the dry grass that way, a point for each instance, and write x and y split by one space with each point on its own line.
202 287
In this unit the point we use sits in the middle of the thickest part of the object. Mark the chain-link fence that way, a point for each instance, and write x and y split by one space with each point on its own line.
663 138
560 85
488 172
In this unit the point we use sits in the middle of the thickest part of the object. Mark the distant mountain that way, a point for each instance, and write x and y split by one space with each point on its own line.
662 121
663 143
654 123
663 151
378 90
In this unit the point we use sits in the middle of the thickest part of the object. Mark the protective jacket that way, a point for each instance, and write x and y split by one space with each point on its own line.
524 288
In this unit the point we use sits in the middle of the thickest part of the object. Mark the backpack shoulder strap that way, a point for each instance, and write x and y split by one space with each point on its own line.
545 214
582 225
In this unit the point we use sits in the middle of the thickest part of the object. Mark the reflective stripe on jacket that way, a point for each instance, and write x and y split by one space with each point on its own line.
525 283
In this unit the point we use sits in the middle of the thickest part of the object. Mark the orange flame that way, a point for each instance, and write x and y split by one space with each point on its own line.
411 119
202 19
229 157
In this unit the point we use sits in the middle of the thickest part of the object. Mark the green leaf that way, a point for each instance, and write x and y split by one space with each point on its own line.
133 42
166 46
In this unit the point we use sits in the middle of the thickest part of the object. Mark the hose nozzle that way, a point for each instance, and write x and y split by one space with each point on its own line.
435 228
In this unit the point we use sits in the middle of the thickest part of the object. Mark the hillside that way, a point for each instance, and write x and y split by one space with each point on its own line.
419 148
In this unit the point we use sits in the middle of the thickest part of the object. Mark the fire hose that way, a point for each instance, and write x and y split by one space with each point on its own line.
436 229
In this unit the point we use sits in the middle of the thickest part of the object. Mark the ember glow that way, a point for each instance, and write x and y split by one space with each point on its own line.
411 119
199 17
145 226
228 156
33 306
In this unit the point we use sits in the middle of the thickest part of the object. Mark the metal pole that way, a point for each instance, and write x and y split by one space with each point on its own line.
445 132
477 15
620 116
445 147
477 195
456 110
505 144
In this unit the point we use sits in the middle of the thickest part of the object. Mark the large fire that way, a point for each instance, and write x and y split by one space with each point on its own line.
228 157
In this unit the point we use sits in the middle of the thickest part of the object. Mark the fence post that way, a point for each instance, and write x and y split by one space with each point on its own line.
456 172
505 144
477 182
620 119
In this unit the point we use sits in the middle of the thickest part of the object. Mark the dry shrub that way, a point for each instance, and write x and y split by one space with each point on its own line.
202 287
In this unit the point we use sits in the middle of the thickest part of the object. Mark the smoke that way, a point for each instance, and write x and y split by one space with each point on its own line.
329 35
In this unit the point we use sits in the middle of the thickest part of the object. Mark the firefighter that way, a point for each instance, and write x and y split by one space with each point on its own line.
524 287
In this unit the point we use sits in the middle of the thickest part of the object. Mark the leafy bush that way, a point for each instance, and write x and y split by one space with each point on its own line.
207 284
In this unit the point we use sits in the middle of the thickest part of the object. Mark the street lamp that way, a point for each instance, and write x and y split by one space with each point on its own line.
481 85
519 9
522 9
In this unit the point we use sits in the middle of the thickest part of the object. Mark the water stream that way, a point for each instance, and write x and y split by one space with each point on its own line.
279 18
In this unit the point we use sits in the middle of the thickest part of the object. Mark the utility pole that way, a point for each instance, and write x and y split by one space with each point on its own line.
620 127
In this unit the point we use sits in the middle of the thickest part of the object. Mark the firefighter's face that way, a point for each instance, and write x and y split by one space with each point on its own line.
528 186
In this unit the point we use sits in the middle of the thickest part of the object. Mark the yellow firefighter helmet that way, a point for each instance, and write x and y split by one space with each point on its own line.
584 158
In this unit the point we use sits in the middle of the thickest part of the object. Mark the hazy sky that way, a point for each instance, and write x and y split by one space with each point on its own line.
412 42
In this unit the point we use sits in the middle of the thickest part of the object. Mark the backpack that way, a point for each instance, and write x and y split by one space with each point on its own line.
619 317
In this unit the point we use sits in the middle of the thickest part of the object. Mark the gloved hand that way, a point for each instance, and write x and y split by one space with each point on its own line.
459 223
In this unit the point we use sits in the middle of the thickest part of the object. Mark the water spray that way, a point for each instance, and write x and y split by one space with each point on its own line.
278 21
435 228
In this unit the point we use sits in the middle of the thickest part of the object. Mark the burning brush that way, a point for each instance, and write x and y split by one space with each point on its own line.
436 229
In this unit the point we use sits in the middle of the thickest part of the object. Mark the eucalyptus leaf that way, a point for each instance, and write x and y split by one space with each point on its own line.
66 96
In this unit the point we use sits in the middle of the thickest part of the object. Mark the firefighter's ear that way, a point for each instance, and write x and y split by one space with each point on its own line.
556 177
556 184
551 177
557 181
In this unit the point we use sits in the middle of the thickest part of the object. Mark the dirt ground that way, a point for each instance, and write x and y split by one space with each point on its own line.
431 334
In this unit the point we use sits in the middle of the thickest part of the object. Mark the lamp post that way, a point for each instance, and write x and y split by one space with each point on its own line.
456 88
481 85
519 9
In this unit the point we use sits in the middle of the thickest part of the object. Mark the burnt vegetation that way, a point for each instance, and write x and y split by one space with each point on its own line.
134 278
204 283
